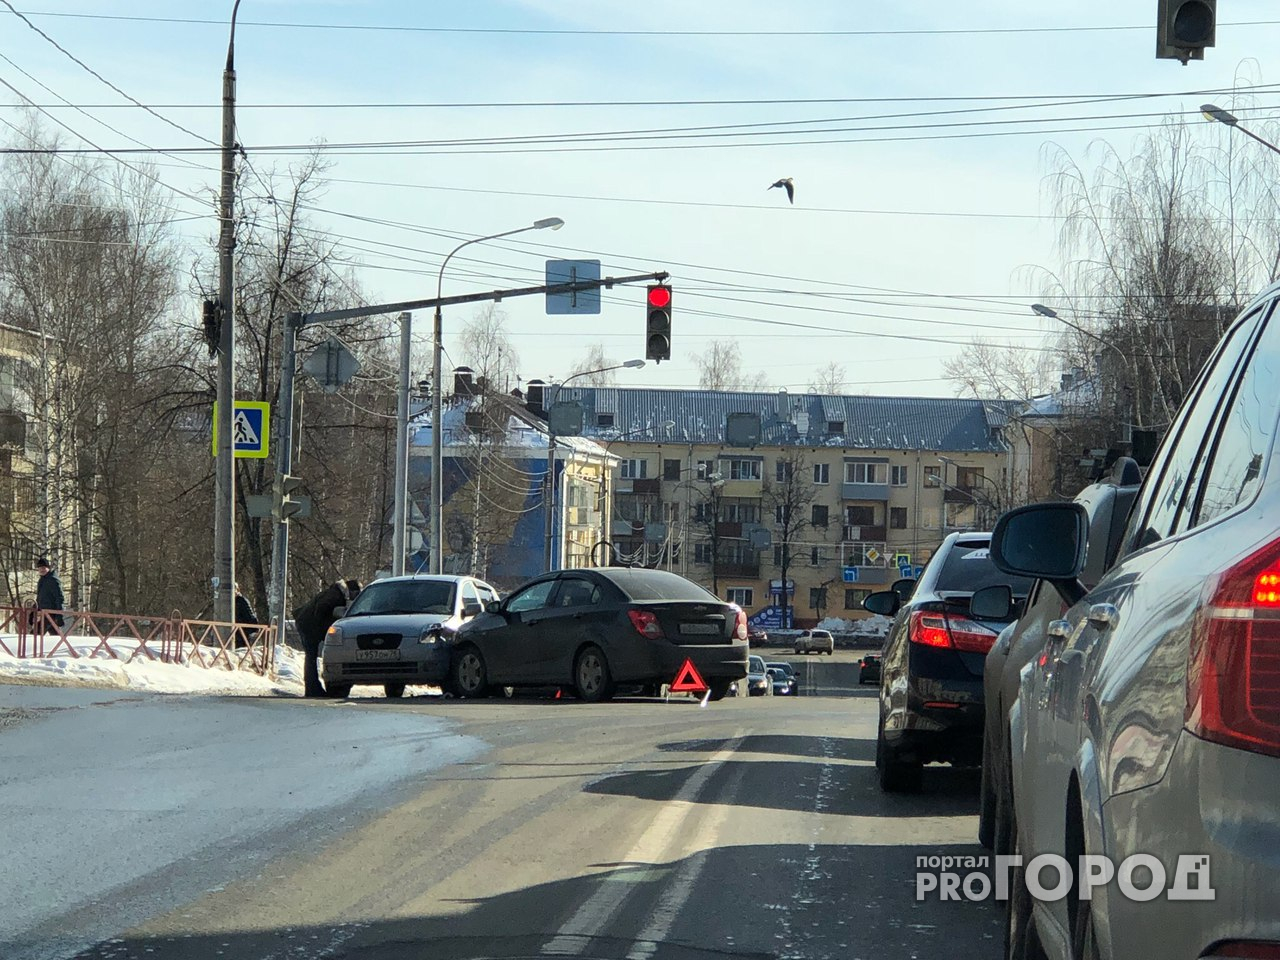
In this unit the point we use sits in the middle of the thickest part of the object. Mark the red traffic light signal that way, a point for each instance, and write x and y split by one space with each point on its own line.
658 324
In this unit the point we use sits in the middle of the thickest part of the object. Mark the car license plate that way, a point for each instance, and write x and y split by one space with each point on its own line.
377 654
706 628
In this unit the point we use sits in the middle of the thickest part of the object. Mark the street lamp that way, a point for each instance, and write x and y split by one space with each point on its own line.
995 504
437 426
603 503
1217 114
550 496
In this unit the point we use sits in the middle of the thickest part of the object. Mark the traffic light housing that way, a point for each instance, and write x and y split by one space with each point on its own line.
1184 28
287 502
657 344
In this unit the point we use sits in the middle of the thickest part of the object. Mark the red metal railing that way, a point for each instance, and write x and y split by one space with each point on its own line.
172 639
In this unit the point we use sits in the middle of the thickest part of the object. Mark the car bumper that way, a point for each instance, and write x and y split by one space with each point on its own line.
721 661
943 720
429 666
1215 801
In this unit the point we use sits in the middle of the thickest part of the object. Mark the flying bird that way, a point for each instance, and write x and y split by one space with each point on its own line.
787 185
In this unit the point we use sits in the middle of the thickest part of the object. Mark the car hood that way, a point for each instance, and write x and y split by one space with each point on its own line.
405 623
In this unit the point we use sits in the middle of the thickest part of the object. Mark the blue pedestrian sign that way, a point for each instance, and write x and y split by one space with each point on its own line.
251 428
574 301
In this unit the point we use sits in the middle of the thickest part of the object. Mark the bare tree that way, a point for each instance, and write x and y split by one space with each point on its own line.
484 345
720 368
788 498
830 379
595 359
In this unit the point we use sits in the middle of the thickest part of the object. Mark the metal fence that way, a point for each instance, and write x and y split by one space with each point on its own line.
115 636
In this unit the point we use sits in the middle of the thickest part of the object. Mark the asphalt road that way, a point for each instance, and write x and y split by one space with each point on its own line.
639 829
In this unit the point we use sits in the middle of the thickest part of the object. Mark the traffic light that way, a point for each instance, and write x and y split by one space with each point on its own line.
658 327
287 503
1184 28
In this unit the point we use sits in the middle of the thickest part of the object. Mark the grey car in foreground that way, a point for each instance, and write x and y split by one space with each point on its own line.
1150 722
394 633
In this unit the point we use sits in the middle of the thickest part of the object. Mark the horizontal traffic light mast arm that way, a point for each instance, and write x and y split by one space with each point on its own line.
325 316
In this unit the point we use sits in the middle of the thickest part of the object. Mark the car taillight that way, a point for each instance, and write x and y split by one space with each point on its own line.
1245 950
937 629
740 631
1233 671
646 623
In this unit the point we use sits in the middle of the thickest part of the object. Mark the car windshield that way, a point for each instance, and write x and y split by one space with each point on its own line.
404 596
757 665
782 667
967 568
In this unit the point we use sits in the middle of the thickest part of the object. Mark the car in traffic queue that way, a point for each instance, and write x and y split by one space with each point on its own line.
1149 725
785 681
392 634
869 668
591 630
932 663
758 682
1107 504
815 641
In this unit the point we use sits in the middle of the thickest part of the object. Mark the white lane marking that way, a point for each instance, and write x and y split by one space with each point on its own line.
594 915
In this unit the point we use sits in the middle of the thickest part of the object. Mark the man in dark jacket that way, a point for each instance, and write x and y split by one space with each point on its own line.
48 595
313 620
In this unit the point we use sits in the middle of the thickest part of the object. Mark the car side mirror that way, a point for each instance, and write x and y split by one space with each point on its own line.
883 602
493 606
472 608
992 603
1044 541
339 612
904 588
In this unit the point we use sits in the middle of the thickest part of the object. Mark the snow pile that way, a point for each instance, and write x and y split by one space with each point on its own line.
872 626
145 674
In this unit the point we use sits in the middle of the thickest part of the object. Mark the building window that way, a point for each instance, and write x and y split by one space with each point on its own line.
815 556
818 598
898 518
671 512
932 475
777 554
822 473
604 419
819 515
853 598
861 471
859 516
835 426
670 469
635 469
780 514
705 469
702 553
969 478
782 471
744 469
742 596
898 476
742 512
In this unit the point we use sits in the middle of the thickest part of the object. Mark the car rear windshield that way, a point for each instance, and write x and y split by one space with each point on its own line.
405 596
649 585
968 568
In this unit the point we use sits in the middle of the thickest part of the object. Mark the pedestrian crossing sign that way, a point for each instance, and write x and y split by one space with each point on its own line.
251 426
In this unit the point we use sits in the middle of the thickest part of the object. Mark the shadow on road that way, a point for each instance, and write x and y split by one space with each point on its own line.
749 903
788 745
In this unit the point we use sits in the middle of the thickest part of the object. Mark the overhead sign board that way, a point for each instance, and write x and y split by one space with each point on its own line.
332 364
565 418
850 574
742 429
574 301
251 428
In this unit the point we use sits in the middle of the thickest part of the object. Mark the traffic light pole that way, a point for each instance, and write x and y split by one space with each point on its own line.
278 594
402 451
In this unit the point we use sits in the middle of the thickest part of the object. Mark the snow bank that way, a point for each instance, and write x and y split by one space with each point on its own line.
872 626
149 675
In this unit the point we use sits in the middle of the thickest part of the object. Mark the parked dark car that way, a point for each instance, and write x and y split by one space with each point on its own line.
869 668
931 672
788 685
591 630
757 636
1107 505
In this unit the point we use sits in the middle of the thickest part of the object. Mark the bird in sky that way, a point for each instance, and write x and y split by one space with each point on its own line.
787 185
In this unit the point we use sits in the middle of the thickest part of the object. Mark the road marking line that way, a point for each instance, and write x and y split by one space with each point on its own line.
594 915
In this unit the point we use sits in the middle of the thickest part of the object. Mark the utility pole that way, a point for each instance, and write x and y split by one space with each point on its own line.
402 450
224 496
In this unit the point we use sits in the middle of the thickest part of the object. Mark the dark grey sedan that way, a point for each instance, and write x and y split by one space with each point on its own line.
591 630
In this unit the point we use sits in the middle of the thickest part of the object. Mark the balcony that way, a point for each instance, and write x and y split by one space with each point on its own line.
750 570
852 534
962 495
729 528
650 486
864 491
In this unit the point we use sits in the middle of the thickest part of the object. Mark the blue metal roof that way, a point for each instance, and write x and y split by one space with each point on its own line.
871 423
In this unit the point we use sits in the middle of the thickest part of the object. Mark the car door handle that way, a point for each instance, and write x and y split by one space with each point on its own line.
1059 629
1103 614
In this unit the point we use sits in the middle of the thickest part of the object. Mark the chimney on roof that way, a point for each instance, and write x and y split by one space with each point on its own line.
463 382
535 391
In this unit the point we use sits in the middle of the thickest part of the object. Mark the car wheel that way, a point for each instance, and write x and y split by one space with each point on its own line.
468 674
393 690
987 800
1020 939
338 691
591 678
720 689
896 775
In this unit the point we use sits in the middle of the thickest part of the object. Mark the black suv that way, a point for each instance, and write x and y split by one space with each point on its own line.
931 706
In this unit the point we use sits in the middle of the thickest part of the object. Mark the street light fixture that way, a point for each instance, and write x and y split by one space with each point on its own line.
437 427
550 495
1217 114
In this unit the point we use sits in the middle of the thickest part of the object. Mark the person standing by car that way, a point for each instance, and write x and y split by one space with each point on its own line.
48 596
313 619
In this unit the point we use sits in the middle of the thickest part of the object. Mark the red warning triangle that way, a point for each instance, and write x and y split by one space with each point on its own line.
688 680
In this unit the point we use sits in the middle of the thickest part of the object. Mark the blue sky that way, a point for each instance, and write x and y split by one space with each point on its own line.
888 242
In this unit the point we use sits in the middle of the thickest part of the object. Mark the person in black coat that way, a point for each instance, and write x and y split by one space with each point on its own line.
48 596
313 620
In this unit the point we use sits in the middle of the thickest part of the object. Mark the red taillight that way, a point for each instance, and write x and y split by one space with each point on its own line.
646 623
1233 672
936 629
740 630
1245 950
